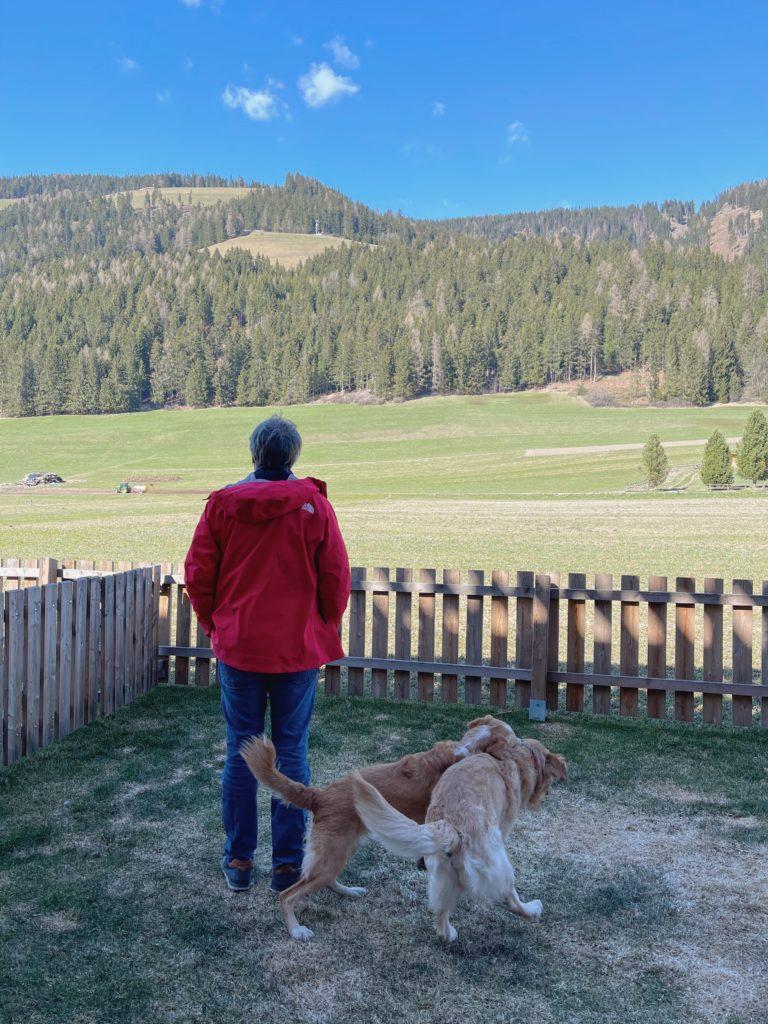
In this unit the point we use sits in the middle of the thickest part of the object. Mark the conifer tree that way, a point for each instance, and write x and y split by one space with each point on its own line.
753 450
716 469
655 463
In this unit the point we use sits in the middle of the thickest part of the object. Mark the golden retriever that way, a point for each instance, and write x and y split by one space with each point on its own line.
336 827
471 811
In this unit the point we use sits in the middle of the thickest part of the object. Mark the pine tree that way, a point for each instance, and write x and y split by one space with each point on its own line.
716 470
726 371
655 463
196 390
753 450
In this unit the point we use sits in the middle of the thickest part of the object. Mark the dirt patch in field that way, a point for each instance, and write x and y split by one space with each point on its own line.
604 449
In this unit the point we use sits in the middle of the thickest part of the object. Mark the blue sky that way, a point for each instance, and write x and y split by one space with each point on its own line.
435 108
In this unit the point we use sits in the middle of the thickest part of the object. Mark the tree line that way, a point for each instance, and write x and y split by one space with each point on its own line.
107 307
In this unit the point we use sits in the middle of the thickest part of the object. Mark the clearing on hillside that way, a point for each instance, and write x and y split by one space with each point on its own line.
201 196
287 248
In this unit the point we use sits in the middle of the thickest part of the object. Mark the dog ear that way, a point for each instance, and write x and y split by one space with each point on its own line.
485 720
556 767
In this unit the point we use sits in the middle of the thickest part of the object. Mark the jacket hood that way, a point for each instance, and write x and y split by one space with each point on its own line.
258 500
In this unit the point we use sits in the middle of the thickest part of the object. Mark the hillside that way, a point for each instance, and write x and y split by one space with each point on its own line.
113 296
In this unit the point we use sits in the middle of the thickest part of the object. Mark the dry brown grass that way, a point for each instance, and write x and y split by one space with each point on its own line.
650 864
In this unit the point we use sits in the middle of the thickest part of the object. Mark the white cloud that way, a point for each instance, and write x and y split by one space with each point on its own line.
321 85
517 133
258 104
164 96
417 150
341 53
128 64
297 40
438 109
212 5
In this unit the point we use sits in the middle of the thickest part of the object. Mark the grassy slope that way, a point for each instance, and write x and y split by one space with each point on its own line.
285 247
439 482
199 196
648 864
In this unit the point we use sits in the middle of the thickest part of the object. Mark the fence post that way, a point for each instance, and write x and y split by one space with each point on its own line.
49 571
523 638
537 708
356 676
164 620
764 659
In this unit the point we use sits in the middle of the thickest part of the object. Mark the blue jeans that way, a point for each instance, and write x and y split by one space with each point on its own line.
244 697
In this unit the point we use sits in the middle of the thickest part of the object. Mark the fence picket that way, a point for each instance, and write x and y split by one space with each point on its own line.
93 688
120 663
540 653
657 648
64 718
474 645
629 647
742 652
108 646
523 638
164 620
712 668
449 683
685 631
403 614
50 632
183 627
499 637
764 659
34 649
380 633
15 678
426 680
601 695
79 651
576 636
356 676
130 649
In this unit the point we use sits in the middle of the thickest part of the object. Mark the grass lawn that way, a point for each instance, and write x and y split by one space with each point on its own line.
285 247
650 864
442 482
202 196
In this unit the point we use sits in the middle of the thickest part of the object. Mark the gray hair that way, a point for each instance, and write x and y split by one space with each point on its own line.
275 444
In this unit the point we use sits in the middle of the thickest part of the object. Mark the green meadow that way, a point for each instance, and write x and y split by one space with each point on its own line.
444 482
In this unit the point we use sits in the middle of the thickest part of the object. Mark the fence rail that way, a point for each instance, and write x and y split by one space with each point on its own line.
74 645
666 649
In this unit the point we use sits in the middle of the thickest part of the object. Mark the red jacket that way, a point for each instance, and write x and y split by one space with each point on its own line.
268 575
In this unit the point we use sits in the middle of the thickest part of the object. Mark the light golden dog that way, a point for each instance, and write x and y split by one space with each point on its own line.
336 827
471 811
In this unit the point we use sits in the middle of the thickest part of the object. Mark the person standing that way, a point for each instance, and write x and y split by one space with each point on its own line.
267 574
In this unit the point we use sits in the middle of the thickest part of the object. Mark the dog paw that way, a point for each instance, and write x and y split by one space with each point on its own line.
534 909
302 934
356 890
449 935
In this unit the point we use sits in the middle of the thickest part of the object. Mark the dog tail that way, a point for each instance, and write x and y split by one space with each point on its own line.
397 833
259 754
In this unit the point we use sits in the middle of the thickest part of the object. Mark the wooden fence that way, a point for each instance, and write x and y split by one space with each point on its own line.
688 652
75 644
660 652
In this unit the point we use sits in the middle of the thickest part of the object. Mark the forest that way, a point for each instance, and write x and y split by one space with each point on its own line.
111 306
